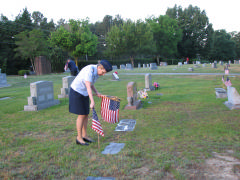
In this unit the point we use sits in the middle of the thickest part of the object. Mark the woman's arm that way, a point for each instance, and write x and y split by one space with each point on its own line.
95 90
89 90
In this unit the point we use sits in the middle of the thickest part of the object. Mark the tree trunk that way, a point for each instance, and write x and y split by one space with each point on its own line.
132 60
34 70
158 60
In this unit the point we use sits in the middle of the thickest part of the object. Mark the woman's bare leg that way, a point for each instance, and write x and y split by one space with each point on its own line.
79 125
84 128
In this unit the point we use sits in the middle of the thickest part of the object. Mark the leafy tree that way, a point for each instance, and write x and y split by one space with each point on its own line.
223 46
6 44
23 21
76 38
236 39
208 51
193 23
167 34
37 18
31 44
40 22
130 39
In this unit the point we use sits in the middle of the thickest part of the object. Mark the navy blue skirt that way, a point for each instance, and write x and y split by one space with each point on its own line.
78 104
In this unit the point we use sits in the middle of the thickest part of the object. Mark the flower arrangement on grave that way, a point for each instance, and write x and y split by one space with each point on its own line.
156 85
143 94
116 72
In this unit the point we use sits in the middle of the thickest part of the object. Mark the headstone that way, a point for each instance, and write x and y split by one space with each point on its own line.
3 80
66 82
115 77
153 66
229 62
215 61
147 65
133 102
196 66
185 63
114 67
220 93
113 148
41 96
190 69
214 65
139 65
204 65
233 98
126 125
179 63
163 63
122 66
144 65
148 82
221 63
129 67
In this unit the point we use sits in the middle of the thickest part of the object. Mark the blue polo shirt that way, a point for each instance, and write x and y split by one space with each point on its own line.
88 73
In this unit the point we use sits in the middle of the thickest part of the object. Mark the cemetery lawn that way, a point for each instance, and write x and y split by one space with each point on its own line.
178 128
234 68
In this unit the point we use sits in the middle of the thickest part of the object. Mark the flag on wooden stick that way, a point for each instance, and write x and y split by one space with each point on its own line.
96 125
228 82
110 109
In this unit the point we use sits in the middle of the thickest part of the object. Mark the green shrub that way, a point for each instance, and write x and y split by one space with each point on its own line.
22 72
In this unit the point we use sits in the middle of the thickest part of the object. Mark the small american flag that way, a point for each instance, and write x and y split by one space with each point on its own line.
228 82
110 110
96 125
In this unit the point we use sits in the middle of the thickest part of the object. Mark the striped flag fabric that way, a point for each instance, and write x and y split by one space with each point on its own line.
96 125
228 82
110 110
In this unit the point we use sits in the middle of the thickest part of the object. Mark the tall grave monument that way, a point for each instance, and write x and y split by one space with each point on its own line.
148 82
133 102
233 98
66 82
41 96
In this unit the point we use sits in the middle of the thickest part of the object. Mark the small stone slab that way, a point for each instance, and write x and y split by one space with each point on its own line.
221 93
159 94
232 106
113 148
100 178
4 98
126 125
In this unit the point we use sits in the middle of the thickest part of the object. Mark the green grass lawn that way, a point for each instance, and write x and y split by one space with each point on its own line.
174 133
234 68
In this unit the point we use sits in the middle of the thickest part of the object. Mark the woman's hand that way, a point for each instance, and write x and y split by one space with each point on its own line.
99 94
92 105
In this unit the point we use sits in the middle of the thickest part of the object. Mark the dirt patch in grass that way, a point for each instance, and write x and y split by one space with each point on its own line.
223 166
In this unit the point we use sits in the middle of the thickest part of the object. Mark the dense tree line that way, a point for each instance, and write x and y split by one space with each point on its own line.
180 33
